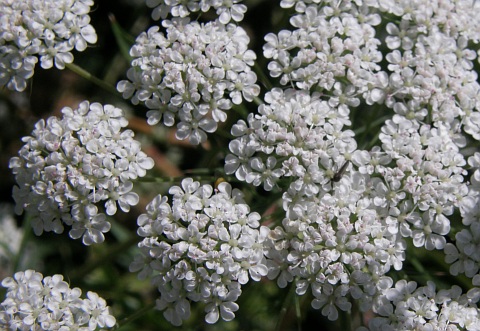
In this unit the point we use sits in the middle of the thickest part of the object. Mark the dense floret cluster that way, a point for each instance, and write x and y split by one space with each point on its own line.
41 29
36 303
348 211
70 165
202 247
192 75
408 307
336 238
369 147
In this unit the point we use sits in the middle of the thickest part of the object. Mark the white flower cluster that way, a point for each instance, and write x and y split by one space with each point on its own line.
302 130
69 165
406 307
226 9
331 44
193 74
434 92
347 210
49 29
36 303
334 239
200 248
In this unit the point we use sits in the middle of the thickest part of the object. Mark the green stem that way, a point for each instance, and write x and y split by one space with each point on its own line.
286 304
27 234
203 171
173 180
345 320
124 40
139 313
420 269
88 76
262 77
241 109
372 124
366 130
80 273
258 101
298 312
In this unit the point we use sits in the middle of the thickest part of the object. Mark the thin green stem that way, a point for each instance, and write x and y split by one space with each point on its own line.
100 260
345 320
286 304
298 312
242 109
173 180
27 234
124 40
373 124
262 77
258 101
420 269
203 171
139 313
88 76
366 139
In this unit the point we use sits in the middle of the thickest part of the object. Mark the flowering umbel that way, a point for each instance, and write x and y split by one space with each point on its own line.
192 76
47 30
342 234
405 306
71 166
34 302
367 151
202 247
